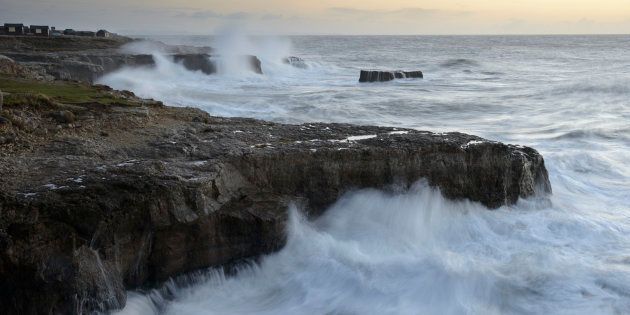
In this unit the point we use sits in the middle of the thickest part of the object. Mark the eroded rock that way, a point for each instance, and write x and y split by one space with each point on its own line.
171 190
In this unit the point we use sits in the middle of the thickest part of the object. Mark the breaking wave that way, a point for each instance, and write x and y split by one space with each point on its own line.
417 253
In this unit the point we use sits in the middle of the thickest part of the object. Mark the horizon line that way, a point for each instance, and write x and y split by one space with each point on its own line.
401 35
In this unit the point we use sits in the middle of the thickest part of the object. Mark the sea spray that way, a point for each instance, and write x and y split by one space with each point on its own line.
416 252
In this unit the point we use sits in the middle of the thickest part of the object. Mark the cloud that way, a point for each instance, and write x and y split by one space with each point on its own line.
209 14
406 13
238 16
268 17
203 15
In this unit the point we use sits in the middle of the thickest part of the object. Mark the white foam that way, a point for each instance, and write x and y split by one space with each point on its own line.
378 253
354 138
569 258
471 143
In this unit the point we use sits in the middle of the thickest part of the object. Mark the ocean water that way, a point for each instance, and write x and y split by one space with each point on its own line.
416 252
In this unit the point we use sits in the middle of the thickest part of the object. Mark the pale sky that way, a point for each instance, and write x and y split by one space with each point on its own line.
288 17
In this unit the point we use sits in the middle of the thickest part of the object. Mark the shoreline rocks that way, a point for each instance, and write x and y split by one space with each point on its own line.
83 216
384 76
97 198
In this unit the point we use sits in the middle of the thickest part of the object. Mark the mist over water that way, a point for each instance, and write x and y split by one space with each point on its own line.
415 252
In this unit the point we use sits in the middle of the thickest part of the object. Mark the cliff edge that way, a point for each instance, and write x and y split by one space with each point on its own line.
101 191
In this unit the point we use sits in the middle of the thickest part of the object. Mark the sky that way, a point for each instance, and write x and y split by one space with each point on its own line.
324 17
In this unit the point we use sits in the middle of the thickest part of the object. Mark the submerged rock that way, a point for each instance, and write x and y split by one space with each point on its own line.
383 76
171 190
295 61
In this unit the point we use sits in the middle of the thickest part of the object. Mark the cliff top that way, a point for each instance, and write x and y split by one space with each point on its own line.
32 44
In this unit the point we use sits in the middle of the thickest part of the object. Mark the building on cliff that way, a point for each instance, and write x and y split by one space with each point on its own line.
40 30
15 29
103 33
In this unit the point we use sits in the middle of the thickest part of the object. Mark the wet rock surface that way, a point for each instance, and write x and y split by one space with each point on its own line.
124 197
384 76
296 62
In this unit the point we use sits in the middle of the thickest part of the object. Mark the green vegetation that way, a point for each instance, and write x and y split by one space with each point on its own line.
31 92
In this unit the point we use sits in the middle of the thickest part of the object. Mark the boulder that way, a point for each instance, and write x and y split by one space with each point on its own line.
63 116
383 76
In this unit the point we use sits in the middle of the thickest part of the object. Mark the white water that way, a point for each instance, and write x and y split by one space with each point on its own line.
417 253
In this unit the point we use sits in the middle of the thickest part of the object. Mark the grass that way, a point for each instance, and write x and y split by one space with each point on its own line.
39 92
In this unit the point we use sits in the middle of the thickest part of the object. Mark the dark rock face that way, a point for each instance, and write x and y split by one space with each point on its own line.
85 67
204 63
255 64
171 190
383 76
199 62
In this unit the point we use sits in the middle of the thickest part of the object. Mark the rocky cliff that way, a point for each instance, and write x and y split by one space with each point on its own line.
88 66
99 198
86 59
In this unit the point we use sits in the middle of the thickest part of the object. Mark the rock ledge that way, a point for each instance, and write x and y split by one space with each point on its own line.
129 196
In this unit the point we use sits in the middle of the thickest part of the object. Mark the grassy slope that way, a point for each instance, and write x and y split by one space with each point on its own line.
24 90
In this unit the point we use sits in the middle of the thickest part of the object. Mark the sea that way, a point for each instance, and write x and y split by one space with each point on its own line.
415 252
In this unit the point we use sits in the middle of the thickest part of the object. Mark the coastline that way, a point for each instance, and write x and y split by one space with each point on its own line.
120 192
